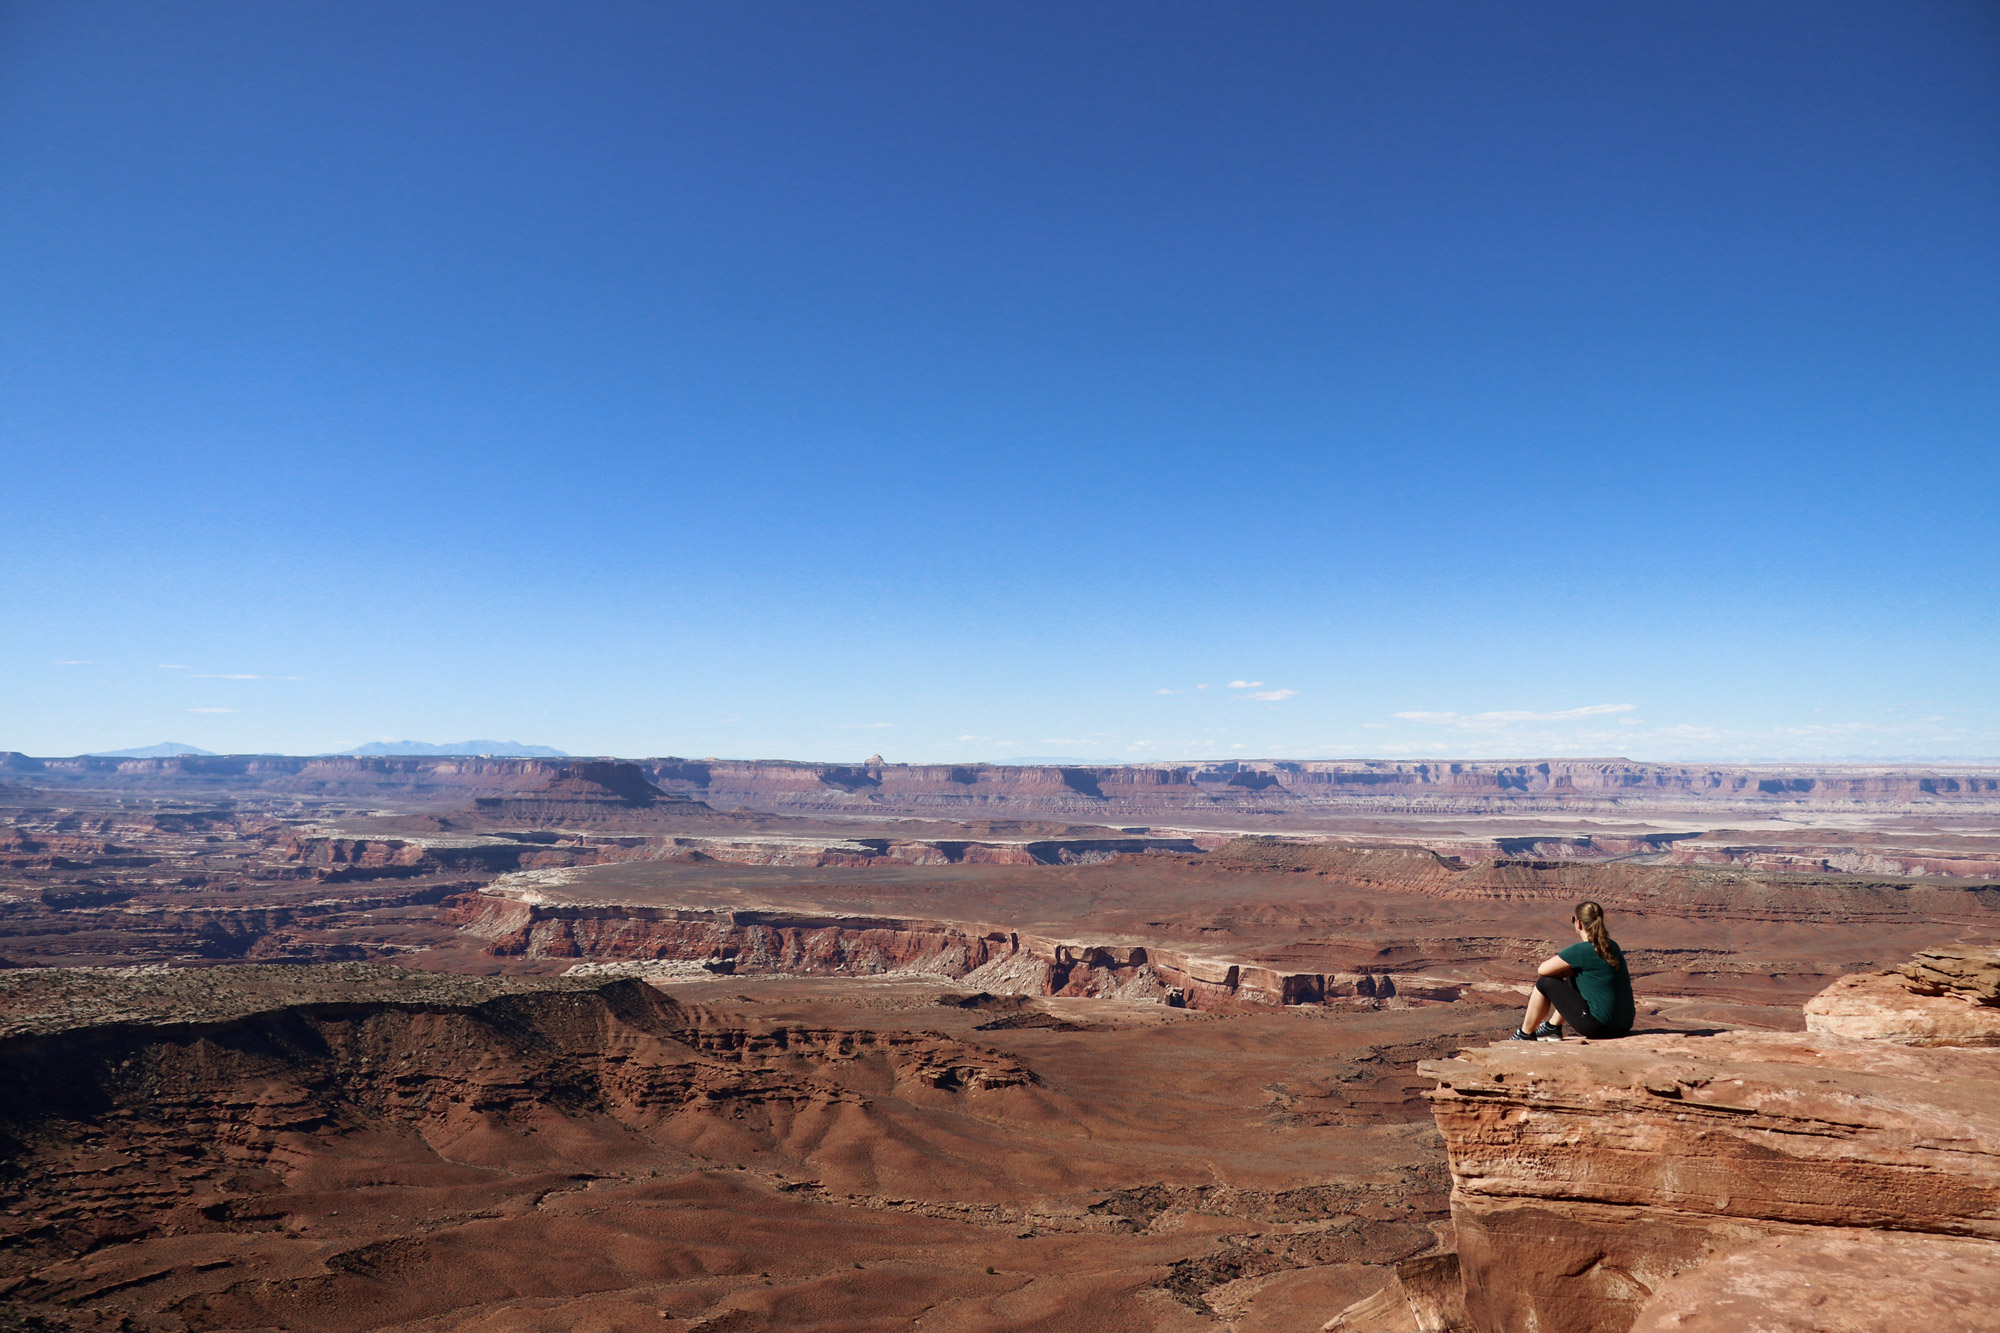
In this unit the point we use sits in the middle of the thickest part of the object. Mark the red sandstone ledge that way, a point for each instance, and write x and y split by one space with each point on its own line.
1673 1181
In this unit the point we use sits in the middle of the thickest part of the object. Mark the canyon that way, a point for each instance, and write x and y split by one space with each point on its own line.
449 1042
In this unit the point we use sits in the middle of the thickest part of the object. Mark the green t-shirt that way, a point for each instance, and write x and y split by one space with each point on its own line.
1606 989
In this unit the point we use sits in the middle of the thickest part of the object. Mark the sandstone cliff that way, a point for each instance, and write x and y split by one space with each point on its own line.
1744 1180
522 922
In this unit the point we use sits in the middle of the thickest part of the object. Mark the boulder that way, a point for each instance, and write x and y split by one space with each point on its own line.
1882 1006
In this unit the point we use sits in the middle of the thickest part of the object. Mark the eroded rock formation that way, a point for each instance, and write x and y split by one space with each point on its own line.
522 924
183 1103
1650 1182
1944 997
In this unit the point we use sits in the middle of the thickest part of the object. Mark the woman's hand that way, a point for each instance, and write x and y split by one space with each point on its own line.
1554 966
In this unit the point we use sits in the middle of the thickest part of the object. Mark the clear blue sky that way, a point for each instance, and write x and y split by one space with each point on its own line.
971 380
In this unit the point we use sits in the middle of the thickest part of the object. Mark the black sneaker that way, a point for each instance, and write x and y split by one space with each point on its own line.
1520 1036
1549 1032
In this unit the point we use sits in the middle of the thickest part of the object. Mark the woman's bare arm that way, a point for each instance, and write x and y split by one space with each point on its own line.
1554 966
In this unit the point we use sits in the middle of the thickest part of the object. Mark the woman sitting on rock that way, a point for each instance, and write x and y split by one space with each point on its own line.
1586 986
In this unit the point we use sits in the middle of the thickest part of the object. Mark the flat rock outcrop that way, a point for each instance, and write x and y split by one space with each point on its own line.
584 793
1668 1181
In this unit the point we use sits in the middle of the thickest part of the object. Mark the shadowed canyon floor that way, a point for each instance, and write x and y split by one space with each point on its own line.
527 1044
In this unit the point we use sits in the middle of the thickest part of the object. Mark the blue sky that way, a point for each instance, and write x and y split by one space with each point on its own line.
983 380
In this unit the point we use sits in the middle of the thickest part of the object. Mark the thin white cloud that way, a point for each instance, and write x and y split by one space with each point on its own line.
865 726
1498 718
1271 696
1204 687
71 661
211 710
1163 690
172 666
1244 684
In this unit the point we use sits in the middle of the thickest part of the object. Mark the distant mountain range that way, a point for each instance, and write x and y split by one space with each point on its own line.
505 749
164 750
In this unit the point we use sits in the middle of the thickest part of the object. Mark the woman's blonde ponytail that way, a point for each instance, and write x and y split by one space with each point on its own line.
1591 917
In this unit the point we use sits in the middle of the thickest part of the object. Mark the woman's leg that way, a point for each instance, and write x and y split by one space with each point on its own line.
1561 994
1538 1011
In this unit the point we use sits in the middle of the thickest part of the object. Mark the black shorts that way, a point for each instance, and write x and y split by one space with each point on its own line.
1569 1002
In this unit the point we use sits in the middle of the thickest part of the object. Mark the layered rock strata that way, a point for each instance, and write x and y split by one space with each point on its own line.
1281 783
1602 1186
517 924
1267 785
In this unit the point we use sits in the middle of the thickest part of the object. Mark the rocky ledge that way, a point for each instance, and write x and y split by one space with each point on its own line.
1770 1181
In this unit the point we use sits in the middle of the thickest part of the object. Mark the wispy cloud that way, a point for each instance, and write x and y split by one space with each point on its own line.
1164 690
1505 717
72 661
1243 684
172 666
865 726
1271 696
234 675
212 710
